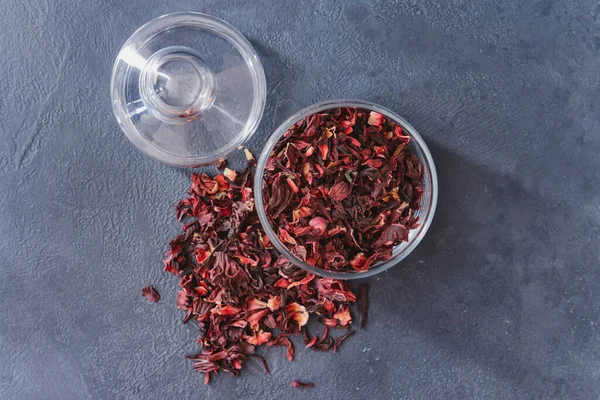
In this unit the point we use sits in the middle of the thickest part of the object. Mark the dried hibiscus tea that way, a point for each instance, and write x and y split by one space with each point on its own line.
342 188
236 287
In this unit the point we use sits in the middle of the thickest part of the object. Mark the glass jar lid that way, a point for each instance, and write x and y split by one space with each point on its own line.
188 88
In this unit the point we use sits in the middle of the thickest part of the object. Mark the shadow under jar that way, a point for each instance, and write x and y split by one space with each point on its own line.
426 204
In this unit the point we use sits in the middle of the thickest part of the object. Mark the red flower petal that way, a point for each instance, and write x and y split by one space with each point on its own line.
298 313
255 318
343 315
323 151
375 119
375 164
285 236
255 304
340 191
318 226
260 338
292 185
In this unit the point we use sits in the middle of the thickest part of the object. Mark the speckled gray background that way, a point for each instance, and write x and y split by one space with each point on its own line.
499 301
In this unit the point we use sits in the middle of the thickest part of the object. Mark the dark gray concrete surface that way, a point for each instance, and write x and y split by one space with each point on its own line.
501 299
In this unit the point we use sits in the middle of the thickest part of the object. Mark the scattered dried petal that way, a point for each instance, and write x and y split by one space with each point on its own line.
298 384
298 313
234 284
283 341
230 174
323 151
292 185
250 157
260 338
151 294
273 303
392 234
339 340
343 315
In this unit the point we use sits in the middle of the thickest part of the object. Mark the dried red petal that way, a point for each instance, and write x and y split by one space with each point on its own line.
340 191
392 234
320 169
230 174
308 278
283 341
336 229
318 226
292 185
375 119
304 212
222 183
246 260
339 340
247 194
334 290
380 150
311 342
354 142
255 318
260 338
239 324
375 164
151 294
343 315
285 236
203 184
298 313
255 304
307 173
323 151
201 255
273 303
226 310
183 301
359 262
298 384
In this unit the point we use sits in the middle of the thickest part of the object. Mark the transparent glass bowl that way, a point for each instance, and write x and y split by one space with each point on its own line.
187 89
427 205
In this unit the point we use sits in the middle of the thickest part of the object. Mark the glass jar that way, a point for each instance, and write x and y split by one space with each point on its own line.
427 204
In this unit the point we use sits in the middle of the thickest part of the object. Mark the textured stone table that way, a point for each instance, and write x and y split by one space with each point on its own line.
501 299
